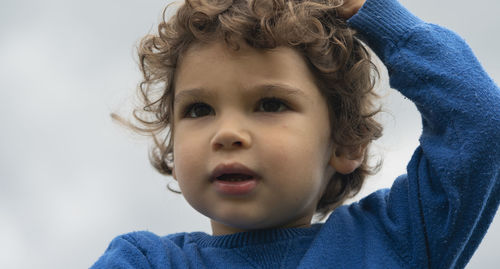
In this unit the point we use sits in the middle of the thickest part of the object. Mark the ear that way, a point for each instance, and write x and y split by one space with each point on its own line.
347 159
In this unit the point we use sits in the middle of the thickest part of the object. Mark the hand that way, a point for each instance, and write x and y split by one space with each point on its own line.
349 8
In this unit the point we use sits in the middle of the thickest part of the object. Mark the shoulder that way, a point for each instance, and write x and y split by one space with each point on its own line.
147 239
141 249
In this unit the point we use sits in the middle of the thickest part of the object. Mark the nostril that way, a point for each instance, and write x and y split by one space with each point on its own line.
230 139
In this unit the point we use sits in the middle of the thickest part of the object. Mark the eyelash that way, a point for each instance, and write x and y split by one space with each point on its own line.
186 111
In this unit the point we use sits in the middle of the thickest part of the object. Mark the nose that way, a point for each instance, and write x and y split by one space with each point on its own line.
231 134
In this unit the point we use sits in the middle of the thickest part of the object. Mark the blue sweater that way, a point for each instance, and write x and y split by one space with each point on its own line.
433 217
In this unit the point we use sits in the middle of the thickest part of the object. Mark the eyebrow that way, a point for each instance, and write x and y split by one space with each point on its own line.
272 88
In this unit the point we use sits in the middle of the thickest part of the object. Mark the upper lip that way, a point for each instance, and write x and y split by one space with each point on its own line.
232 168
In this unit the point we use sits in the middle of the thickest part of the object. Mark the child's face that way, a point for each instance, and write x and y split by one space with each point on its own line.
285 143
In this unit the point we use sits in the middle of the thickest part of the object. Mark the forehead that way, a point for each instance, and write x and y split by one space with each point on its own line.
218 50
215 65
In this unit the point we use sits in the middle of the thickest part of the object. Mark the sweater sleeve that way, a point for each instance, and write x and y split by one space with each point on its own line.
437 214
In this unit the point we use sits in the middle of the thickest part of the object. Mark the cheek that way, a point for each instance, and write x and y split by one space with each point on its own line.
294 151
304 152
187 158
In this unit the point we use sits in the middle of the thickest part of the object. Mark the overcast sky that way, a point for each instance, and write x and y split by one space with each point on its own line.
71 179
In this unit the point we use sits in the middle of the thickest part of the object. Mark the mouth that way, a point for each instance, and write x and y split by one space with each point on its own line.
234 177
233 172
234 180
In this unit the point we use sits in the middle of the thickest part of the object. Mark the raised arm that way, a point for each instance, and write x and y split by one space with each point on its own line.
440 211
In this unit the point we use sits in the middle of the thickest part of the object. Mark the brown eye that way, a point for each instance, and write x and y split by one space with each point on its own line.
197 110
272 105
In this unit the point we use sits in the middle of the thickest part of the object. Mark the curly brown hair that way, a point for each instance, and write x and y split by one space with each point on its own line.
342 66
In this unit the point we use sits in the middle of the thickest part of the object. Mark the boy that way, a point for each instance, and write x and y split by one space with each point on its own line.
261 139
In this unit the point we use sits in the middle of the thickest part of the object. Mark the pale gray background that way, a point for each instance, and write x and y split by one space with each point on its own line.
71 180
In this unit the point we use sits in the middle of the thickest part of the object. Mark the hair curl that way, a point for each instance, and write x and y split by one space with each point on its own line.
342 66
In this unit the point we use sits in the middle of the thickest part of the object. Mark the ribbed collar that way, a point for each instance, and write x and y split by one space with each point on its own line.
252 237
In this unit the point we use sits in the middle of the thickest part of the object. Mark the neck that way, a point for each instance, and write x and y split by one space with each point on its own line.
219 228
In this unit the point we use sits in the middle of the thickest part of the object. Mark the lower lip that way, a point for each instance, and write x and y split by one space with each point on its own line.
235 187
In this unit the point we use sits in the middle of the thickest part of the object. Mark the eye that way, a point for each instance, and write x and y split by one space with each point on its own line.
197 110
272 104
